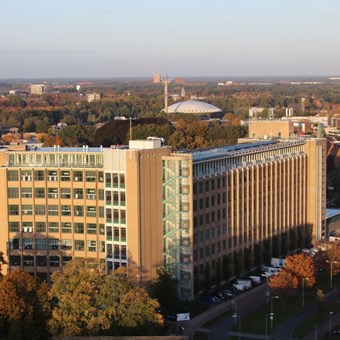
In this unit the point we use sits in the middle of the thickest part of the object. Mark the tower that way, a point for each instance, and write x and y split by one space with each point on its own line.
165 81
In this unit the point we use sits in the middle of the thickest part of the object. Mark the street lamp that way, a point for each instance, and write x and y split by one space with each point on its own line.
271 309
330 323
235 316
331 263
316 332
303 290
267 291
235 309
271 315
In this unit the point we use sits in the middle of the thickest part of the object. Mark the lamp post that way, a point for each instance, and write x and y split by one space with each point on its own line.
235 316
267 291
331 263
303 290
271 309
330 323
235 310
316 332
271 315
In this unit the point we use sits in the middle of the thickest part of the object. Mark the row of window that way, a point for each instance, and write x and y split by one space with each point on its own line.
55 175
39 261
65 193
55 227
115 180
55 210
55 244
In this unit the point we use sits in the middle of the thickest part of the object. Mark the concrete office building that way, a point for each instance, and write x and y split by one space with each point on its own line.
142 205
37 89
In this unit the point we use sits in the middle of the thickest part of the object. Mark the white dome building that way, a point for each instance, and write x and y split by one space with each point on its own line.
193 107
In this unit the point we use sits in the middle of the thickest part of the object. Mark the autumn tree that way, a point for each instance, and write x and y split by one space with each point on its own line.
332 256
24 307
302 267
87 302
282 284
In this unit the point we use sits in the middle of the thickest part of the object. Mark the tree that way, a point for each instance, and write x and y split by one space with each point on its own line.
24 307
320 300
282 284
87 302
165 289
302 267
332 256
75 292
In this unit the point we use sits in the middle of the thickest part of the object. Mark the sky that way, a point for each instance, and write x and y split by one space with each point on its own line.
131 38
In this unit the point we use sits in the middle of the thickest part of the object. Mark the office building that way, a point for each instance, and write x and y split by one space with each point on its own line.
142 205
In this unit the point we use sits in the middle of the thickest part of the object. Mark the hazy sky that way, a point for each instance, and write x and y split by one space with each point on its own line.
115 38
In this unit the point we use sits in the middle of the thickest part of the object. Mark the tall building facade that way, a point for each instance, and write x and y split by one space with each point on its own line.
143 206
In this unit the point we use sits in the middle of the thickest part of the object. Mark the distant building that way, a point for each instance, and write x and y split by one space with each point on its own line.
179 80
156 78
253 111
92 96
229 83
289 112
38 89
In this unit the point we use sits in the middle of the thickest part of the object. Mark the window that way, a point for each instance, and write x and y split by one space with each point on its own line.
91 211
91 176
78 210
41 261
78 193
52 176
26 192
14 227
53 227
12 175
101 194
14 243
79 228
115 180
101 229
100 177
26 175
26 209
65 193
41 243
108 195
122 216
27 243
53 244
90 194
53 210
101 211
39 192
66 259
54 261
15 260
65 210
52 192
109 233
13 193
122 199
79 245
28 261
116 234
66 244
39 175
13 209
40 227
115 198
91 228
66 227
123 252
65 176
122 180
78 176
91 246
102 246
27 227
40 209
108 180
123 234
